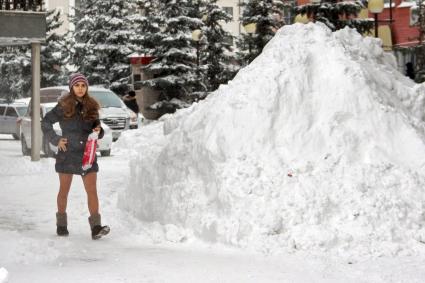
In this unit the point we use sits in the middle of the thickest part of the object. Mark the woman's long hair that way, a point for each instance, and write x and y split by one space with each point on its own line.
90 106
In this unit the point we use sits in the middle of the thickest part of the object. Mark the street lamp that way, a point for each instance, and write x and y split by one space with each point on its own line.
302 19
196 36
250 29
376 7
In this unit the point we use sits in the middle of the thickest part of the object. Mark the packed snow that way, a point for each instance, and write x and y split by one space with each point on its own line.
3 275
317 145
138 251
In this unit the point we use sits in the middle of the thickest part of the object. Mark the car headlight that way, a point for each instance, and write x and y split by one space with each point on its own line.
105 128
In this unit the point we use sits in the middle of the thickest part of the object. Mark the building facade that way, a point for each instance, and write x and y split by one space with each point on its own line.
397 28
233 8
66 9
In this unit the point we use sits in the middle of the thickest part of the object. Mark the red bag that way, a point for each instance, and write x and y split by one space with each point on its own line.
90 151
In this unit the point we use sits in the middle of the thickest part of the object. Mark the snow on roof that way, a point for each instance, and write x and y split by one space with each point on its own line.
406 4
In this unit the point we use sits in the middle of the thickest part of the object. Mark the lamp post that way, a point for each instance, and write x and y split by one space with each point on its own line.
250 29
376 7
196 36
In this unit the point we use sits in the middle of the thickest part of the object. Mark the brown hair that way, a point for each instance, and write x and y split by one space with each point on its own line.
90 106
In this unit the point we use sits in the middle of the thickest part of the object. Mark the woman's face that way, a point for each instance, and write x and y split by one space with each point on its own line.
79 89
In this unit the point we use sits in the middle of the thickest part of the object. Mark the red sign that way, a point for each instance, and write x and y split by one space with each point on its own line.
143 60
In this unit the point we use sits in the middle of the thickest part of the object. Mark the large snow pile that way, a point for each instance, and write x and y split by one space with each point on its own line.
318 144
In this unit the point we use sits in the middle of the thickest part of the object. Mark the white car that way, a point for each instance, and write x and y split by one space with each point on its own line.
113 111
104 144
10 118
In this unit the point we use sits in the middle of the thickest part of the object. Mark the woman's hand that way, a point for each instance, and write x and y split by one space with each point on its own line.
62 144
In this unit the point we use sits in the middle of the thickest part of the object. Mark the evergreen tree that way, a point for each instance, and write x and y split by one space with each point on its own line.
15 72
174 66
15 63
146 24
419 50
336 14
52 59
216 48
266 14
101 42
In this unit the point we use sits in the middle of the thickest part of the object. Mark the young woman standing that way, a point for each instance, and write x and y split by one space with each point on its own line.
78 116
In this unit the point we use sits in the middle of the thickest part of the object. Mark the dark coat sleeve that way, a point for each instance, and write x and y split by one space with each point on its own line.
53 116
102 132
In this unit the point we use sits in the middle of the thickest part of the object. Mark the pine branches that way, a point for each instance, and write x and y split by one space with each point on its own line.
102 42
267 17
336 14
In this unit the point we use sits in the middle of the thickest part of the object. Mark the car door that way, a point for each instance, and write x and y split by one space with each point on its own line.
26 126
3 128
10 118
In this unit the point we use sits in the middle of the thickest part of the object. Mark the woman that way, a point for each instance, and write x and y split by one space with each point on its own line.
78 116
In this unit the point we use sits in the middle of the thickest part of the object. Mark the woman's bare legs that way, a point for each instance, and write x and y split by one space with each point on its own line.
65 181
89 181
97 230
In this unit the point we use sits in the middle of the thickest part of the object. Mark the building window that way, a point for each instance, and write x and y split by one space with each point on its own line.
229 10
137 77
414 15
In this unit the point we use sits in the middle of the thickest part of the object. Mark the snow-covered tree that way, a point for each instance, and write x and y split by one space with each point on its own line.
174 66
217 54
15 72
336 14
419 50
52 55
15 63
146 24
267 15
102 42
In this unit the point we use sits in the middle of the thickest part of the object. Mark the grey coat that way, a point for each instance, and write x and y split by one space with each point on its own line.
76 131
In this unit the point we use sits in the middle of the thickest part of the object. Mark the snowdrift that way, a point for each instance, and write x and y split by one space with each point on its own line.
317 145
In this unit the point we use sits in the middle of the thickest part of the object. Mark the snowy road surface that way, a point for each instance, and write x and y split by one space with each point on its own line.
31 252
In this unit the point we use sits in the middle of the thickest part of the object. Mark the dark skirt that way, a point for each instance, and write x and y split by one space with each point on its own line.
71 162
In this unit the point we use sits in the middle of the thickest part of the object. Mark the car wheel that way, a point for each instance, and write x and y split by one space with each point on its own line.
105 152
25 150
15 136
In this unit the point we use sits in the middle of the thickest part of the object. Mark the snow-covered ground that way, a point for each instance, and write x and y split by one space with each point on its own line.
307 167
31 252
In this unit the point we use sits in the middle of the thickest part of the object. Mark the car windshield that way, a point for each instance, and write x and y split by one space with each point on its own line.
49 108
106 98
21 110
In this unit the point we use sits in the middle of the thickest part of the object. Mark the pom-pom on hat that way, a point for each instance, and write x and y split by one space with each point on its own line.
75 78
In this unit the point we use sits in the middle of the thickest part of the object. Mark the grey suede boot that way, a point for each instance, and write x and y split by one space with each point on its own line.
97 230
61 224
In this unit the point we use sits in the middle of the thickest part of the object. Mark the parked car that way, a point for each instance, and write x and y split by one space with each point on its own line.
10 117
104 144
113 111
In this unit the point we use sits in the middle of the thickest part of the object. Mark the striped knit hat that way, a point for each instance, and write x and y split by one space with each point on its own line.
77 77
